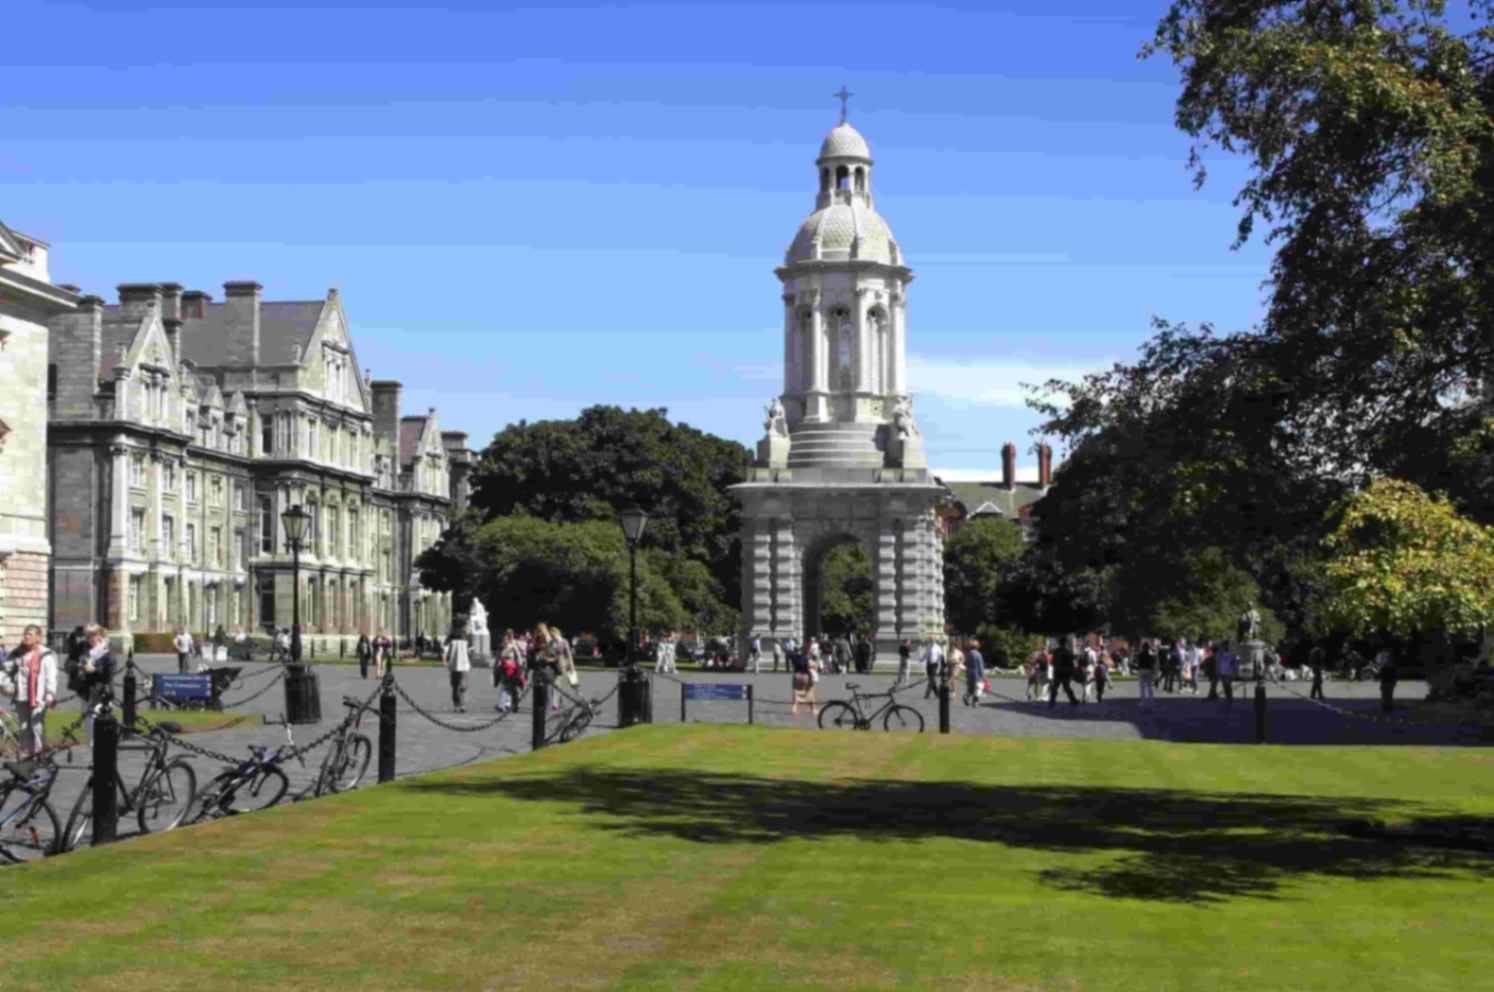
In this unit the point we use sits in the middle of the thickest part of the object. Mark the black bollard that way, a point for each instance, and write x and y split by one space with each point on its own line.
386 731
131 685
105 774
1260 712
944 707
541 704
342 649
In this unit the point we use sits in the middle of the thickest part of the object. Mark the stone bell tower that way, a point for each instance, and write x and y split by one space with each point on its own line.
842 459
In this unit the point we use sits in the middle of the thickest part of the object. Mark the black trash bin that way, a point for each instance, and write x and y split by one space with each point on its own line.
303 698
635 701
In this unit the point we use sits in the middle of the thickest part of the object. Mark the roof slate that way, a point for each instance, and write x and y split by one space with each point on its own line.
285 330
982 498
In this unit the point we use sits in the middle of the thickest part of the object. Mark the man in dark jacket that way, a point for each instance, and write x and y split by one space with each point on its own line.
95 673
1065 659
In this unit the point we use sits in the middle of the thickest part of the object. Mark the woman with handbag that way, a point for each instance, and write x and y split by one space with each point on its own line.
458 663
565 658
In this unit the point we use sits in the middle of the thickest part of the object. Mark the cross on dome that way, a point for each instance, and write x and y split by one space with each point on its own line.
844 96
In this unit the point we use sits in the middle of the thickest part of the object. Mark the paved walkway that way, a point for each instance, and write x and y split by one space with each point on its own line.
425 746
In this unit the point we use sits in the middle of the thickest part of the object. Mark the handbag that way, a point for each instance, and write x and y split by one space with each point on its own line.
573 678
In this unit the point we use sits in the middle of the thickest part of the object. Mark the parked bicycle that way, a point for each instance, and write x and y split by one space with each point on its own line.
347 759
28 825
255 783
841 714
160 799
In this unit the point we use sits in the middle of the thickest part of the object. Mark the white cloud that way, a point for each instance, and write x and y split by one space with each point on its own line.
985 382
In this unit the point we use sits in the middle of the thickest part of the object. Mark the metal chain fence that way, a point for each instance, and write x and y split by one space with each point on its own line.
458 727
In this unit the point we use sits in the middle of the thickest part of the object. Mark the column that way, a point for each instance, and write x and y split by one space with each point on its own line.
758 545
860 358
885 572
897 361
787 596
791 377
908 568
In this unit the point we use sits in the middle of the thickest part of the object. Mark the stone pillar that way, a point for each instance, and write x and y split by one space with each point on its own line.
885 566
788 596
897 315
758 548
792 379
119 501
909 555
860 357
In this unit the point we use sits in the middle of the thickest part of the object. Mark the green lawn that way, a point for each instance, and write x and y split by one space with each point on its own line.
741 858
192 721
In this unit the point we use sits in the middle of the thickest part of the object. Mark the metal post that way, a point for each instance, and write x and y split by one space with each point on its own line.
1260 712
943 702
105 774
749 705
296 603
632 658
131 684
682 702
386 729
541 703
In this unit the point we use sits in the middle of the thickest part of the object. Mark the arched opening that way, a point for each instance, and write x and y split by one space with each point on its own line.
860 179
839 589
824 180
842 177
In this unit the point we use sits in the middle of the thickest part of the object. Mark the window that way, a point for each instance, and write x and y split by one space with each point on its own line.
333 547
192 542
215 546
217 490
355 549
238 546
239 497
168 476
311 439
267 436
191 487
137 470
173 615
314 528
168 537
266 525
137 527
267 602
134 602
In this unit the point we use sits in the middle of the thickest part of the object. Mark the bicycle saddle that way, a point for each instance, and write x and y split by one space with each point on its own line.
853 685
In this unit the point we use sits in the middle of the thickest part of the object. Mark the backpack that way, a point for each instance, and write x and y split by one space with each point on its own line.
74 672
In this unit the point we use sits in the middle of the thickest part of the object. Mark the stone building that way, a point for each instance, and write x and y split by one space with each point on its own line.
181 430
27 301
1009 495
843 460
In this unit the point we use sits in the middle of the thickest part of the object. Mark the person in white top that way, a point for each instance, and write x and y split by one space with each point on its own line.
1091 659
755 654
29 675
458 663
933 661
183 644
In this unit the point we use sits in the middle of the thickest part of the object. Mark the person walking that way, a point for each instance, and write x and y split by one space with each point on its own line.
29 676
1388 676
1085 673
1191 661
96 672
933 661
508 673
365 654
385 653
755 654
183 644
803 682
661 655
975 673
777 653
1146 672
1037 675
904 660
458 664
1101 678
565 659
864 654
1065 657
1317 659
1226 665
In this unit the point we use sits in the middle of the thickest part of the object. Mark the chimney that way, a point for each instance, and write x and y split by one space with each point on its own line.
137 298
171 301
1009 465
386 409
241 326
459 458
194 304
1045 465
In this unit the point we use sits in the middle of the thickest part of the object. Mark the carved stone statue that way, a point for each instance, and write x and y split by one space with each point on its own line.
477 618
776 423
902 418
1250 622
479 641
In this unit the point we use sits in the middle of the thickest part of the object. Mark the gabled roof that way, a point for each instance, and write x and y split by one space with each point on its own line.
994 499
10 245
118 336
285 330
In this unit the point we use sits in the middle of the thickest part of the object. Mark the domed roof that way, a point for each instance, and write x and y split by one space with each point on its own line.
838 227
844 141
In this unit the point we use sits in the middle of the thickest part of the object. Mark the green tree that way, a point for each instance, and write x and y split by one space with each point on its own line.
1210 599
979 560
455 563
846 590
569 471
1403 562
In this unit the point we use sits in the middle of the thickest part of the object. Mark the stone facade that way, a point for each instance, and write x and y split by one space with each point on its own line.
843 459
27 301
181 430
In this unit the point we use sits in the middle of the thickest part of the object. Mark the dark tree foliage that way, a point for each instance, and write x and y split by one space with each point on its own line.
1367 126
979 560
846 590
568 471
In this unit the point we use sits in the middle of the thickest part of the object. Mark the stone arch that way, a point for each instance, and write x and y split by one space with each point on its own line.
815 550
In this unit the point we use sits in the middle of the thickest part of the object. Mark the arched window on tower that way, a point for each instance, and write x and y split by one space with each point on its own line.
842 177
806 350
860 179
876 336
844 350
824 180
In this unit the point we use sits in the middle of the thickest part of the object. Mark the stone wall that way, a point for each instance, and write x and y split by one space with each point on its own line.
23 594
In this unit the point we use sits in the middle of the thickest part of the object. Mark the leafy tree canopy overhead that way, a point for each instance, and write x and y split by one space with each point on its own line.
978 561
847 590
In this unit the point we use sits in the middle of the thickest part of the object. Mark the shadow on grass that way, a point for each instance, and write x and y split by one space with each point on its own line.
1169 846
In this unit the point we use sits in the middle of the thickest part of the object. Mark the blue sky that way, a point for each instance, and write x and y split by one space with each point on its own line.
532 209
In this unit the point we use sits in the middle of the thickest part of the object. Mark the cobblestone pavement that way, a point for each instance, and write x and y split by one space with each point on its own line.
424 746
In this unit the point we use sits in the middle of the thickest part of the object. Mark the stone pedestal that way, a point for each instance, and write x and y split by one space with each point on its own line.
773 451
1252 659
907 452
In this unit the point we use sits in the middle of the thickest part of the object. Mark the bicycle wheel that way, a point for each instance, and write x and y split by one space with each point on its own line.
28 827
262 791
838 715
901 717
79 829
576 726
164 799
349 766
212 800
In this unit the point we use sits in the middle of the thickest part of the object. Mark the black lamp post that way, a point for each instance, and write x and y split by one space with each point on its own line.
633 519
295 520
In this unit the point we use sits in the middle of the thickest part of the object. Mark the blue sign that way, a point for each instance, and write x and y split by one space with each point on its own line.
183 686
716 691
